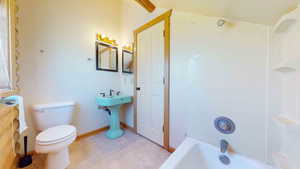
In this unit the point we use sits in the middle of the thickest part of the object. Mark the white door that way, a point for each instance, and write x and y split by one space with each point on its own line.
150 80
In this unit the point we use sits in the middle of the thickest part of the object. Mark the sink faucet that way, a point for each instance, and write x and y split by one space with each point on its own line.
102 94
111 92
7 102
224 146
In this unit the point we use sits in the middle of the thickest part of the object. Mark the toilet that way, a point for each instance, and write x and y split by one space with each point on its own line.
56 134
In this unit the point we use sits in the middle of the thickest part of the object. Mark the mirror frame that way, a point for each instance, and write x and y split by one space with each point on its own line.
98 57
126 51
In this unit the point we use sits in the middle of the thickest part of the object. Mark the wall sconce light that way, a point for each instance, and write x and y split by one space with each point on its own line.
128 47
106 39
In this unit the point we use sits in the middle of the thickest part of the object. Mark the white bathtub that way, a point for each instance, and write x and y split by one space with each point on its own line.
193 154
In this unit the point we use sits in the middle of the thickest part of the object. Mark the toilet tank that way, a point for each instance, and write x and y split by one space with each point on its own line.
50 115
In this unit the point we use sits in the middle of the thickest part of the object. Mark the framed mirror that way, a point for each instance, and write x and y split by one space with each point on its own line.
106 57
127 61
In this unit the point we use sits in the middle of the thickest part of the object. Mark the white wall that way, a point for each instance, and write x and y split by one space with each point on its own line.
219 72
65 31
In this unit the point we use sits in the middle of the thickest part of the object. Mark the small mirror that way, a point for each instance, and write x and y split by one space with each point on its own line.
127 61
106 57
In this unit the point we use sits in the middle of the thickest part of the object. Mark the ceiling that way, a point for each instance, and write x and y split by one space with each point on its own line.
255 11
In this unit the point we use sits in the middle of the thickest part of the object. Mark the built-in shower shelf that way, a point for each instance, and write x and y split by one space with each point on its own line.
286 21
285 69
284 25
284 119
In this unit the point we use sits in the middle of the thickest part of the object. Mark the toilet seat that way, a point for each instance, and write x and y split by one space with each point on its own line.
56 134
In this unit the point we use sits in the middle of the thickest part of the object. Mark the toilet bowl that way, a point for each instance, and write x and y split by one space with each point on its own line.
55 142
56 134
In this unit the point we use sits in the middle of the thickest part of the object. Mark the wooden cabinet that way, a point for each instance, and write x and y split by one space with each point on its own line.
8 131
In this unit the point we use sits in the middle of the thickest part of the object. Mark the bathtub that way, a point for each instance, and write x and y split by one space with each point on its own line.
194 154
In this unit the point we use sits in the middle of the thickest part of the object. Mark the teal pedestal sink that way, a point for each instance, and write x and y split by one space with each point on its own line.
113 105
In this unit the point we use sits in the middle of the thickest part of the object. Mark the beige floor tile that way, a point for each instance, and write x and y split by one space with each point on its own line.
97 152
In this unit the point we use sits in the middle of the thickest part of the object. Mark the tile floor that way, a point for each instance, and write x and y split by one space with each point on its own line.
97 152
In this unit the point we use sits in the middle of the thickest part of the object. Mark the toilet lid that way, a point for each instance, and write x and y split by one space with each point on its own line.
56 134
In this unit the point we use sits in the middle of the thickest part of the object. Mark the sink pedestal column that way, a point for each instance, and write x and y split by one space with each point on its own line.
114 123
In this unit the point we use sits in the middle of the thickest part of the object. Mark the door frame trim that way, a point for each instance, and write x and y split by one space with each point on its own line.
166 17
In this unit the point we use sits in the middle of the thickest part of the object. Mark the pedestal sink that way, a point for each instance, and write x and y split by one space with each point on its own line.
113 104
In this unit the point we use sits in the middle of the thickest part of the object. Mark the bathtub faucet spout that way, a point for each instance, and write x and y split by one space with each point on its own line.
224 146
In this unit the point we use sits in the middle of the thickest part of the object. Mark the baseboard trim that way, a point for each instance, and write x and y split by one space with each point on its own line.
91 133
100 130
125 126
32 153
171 149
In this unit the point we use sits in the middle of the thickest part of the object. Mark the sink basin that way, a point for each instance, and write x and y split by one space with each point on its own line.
113 100
113 105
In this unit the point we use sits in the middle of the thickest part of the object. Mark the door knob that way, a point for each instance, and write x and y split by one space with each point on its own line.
138 88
